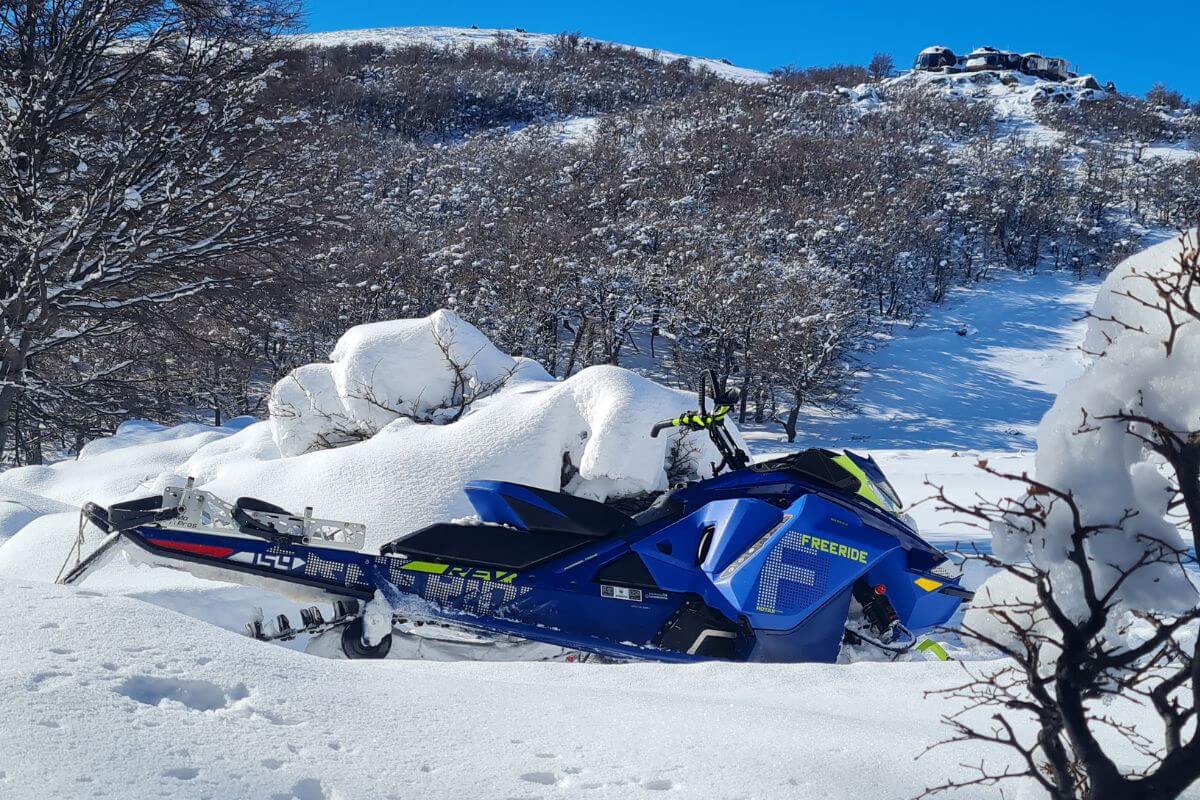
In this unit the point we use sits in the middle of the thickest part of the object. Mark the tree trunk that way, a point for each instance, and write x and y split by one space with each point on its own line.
789 425
580 333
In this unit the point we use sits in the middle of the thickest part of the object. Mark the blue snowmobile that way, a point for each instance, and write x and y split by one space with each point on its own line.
781 560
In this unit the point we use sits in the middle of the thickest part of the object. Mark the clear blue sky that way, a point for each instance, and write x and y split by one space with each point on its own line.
1133 44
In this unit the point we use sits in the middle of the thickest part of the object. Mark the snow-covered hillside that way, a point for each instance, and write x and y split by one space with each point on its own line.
533 43
1009 90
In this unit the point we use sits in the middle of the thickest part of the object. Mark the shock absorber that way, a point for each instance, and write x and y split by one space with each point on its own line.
875 605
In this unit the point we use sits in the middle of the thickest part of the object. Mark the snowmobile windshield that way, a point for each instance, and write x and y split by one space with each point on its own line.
876 487
891 501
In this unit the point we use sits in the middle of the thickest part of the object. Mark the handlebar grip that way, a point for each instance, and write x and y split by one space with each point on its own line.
659 427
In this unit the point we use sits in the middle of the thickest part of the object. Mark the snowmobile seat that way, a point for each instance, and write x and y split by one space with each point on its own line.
485 545
532 509
665 506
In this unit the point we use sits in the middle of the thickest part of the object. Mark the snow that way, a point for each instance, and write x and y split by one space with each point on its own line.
534 43
572 130
104 696
1176 152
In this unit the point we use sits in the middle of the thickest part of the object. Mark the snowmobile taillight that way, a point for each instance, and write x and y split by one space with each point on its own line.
880 590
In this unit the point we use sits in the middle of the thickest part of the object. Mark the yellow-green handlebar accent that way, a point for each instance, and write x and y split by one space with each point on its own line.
698 422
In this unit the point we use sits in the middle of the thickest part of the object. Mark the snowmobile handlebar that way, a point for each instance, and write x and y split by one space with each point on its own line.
732 456
702 420
692 420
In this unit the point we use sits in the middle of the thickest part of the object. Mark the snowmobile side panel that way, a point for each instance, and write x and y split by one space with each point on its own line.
818 638
816 552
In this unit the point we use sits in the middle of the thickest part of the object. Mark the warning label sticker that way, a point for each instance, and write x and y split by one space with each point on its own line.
621 593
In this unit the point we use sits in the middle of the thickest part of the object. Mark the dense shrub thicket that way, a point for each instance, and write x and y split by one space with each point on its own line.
680 221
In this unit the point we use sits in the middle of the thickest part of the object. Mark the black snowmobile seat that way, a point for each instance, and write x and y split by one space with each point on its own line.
485 545
573 522
547 510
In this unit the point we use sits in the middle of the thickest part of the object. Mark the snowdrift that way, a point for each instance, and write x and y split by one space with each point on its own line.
386 433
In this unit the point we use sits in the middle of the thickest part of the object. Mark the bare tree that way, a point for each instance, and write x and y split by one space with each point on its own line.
137 169
1107 614
881 66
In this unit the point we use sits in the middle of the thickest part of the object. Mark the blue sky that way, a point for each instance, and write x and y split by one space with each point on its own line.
1132 44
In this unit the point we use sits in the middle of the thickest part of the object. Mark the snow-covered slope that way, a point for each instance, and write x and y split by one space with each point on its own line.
107 697
977 373
534 43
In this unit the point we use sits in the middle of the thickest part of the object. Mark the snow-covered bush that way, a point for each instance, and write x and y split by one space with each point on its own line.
1101 444
1096 599
428 370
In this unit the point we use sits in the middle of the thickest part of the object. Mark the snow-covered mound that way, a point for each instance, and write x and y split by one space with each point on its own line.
1145 368
426 369
588 435
1125 292
534 43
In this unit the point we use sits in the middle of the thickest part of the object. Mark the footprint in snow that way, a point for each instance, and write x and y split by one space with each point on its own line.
543 778
658 785
40 680
181 773
195 694
305 789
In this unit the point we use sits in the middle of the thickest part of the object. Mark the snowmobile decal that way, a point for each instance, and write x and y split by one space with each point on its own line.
496 576
193 548
286 562
834 548
425 566
473 573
